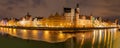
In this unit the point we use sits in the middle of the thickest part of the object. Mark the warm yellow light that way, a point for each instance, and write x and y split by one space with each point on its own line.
46 32
82 42
46 35
61 35
100 36
24 34
93 40
35 34
105 36
10 31
14 32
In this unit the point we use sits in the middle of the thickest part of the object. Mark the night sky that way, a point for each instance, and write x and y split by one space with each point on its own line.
19 8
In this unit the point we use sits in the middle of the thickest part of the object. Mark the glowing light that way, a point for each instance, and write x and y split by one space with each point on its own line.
46 32
10 31
93 40
24 34
100 36
24 30
22 23
46 35
61 35
105 36
35 34
83 36
108 41
111 41
14 32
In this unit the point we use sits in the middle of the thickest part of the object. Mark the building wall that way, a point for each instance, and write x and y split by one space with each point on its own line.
84 23
70 15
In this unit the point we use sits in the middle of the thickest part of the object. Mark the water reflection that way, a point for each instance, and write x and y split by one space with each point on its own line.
24 34
95 39
35 34
90 39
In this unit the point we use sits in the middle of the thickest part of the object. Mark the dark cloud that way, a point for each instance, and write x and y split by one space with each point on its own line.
10 8
18 8
37 3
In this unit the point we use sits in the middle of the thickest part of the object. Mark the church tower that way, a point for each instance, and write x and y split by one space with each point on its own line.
77 12
76 17
28 17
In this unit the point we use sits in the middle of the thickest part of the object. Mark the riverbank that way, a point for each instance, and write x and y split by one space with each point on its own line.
7 41
57 28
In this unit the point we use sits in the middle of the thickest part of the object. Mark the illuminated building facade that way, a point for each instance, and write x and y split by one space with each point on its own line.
54 21
75 19
70 18
26 21
69 14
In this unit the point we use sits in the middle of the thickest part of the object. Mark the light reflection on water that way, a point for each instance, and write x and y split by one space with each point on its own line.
89 39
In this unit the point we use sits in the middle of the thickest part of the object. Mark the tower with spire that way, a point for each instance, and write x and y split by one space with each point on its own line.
69 14
72 15
76 16
28 16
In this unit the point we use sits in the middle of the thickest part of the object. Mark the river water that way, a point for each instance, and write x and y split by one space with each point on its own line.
99 38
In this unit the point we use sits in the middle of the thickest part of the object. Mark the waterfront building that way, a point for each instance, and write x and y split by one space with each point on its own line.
4 21
12 22
26 21
76 20
84 21
54 21
70 18
69 14
37 21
